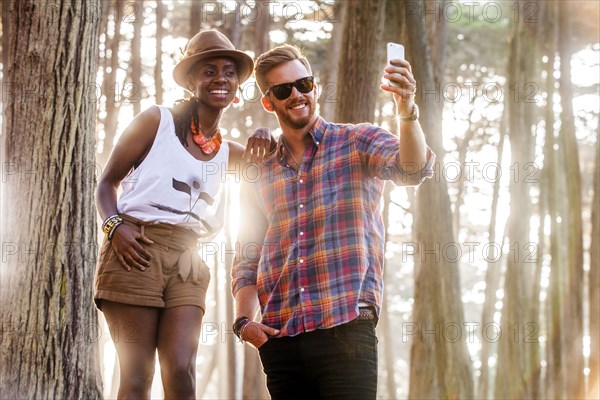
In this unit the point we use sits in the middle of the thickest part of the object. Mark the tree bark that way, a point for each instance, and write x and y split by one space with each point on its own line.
110 88
330 83
49 328
136 58
462 147
492 281
5 8
160 33
574 269
593 390
514 344
546 187
437 36
440 366
555 199
195 17
205 378
384 320
255 381
262 44
229 307
360 62
235 29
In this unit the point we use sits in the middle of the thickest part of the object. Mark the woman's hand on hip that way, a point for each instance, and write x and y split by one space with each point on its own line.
127 243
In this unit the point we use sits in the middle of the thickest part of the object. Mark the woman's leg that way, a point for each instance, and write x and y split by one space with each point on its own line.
134 332
178 337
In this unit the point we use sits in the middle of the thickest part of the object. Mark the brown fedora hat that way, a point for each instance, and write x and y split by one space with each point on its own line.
207 44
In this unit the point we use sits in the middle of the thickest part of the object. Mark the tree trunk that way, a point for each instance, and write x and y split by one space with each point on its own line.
136 58
436 36
440 362
255 381
546 190
205 378
462 148
5 9
361 60
492 281
558 252
514 344
554 185
235 29
330 83
110 88
229 307
220 354
535 366
160 33
262 44
594 288
574 268
103 65
195 17
49 328
384 320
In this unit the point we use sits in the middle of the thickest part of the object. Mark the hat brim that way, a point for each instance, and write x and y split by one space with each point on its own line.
243 61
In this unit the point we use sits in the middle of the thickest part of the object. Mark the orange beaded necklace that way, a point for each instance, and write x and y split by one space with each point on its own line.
208 146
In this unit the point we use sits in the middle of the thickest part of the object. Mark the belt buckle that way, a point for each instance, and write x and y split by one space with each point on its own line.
366 314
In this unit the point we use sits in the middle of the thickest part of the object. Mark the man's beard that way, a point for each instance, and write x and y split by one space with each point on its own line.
295 123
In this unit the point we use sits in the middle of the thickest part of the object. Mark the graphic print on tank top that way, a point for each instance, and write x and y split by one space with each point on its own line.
197 199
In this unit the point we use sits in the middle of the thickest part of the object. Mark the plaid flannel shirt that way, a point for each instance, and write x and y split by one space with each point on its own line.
312 239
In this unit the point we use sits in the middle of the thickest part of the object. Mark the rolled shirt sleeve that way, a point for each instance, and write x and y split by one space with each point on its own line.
380 152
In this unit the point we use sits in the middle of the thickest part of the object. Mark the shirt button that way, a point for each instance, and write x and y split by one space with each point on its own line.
301 205
301 180
302 289
301 260
301 233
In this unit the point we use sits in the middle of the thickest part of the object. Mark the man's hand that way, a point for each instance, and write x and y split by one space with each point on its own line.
400 73
259 145
257 334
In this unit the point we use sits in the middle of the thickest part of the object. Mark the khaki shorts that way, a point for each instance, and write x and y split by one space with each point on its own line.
176 275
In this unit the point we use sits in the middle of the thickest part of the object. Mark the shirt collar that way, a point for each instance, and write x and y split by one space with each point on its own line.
316 133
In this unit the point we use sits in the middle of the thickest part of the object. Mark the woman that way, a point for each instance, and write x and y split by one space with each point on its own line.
150 282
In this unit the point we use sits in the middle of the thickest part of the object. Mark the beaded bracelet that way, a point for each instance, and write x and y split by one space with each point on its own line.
114 228
110 224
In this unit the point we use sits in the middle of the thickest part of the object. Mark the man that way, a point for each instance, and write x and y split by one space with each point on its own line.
311 244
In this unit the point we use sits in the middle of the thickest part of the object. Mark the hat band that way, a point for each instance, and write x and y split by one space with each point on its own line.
189 54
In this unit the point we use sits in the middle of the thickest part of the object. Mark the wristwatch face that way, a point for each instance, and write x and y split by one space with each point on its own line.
415 112
414 115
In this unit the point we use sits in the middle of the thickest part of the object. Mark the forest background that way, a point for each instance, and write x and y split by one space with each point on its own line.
492 266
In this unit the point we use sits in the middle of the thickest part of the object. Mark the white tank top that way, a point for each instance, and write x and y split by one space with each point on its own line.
171 186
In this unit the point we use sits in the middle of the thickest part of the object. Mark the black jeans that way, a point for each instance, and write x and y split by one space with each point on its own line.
335 363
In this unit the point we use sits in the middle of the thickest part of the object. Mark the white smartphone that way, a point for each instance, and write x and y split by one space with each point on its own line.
394 51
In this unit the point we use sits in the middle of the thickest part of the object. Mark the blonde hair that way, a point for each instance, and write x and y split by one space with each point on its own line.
275 57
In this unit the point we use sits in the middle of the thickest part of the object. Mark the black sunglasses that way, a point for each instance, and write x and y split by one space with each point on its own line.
284 90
